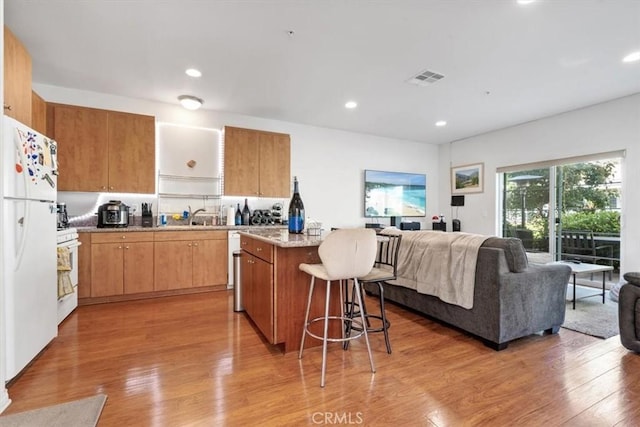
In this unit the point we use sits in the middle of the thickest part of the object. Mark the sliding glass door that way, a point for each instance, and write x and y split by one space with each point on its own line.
526 207
568 210
588 223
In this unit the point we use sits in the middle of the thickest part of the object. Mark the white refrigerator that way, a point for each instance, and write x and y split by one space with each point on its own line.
29 235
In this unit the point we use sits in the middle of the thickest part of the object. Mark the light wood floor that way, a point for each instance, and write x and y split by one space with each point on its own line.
192 361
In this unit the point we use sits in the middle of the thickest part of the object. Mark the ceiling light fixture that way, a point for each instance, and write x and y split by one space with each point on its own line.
351 105
190 102
523 2
632 57
192 72
441 123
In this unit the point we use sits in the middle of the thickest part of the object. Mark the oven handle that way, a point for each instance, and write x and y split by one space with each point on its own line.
71 245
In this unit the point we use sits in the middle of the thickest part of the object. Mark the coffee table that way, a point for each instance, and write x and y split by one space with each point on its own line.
585 268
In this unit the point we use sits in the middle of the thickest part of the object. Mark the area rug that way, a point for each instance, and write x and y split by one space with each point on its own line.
77 413
591 317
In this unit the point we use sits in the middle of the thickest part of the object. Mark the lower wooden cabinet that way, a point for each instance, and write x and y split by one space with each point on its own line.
275 291
115 265
190 259
84 266
210 260
121 263
257 293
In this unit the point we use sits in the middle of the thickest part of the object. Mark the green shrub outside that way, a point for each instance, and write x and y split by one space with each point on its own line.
606 222
598 222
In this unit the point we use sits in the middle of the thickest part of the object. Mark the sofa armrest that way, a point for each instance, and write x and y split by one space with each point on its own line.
629 316
522 303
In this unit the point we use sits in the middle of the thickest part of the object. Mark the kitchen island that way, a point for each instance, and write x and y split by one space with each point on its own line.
275 291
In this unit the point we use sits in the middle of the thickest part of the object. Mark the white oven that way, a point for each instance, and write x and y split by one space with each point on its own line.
68 238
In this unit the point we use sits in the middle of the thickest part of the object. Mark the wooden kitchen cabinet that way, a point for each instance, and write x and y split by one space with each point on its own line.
256 163
190 259
257 284
38 113
132 153
17 79
84 266
121 263
81 134
101 150
210 261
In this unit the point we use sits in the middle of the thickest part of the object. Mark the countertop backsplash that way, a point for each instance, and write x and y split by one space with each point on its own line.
83 208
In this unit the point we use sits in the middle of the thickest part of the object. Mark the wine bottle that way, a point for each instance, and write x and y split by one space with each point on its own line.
296 210
246 214
238 219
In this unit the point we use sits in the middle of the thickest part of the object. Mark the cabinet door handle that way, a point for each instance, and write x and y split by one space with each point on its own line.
258 249
119 247
195 244
189 244
126 247
111 187
104 187
124 237
7 107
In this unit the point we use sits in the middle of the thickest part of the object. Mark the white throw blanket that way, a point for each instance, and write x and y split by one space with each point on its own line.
439 264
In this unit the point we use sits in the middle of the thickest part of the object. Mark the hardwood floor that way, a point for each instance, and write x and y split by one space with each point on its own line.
191 361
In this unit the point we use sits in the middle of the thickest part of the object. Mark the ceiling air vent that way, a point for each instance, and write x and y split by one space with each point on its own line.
425 78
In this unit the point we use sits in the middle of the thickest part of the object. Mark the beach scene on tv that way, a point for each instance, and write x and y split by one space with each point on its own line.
394 194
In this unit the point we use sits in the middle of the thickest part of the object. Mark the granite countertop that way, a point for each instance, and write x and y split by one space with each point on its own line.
282 238
94 229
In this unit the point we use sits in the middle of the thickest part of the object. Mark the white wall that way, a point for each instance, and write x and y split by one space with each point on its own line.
329 163
609 126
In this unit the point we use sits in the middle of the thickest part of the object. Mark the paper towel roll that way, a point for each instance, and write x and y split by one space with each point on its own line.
231 216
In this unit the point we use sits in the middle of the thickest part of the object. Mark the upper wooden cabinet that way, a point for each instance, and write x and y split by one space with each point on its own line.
38 113
17 79
256 163
132 153
103 151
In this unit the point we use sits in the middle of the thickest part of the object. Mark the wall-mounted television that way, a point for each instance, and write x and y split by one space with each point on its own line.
389 194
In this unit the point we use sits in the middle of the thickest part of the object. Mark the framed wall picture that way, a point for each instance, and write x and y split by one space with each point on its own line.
467 179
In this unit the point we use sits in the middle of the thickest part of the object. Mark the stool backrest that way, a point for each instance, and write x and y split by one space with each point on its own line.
348 252
388 249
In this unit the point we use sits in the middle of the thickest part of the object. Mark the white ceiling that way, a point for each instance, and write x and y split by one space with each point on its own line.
503 63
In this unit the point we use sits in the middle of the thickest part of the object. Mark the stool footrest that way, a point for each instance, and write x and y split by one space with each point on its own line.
343 319
358 326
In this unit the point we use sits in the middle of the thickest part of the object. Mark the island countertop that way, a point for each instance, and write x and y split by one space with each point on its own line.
282 238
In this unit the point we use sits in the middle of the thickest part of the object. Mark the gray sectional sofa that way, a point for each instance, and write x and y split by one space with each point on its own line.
512 298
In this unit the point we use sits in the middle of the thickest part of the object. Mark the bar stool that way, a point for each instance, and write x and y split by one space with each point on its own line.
385 269
345 254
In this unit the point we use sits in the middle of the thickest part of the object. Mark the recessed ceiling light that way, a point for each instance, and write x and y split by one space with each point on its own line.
523 2
192 72
351 105
632 57
441 123
190 102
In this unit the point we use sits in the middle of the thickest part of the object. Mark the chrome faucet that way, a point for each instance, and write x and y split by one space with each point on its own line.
192 214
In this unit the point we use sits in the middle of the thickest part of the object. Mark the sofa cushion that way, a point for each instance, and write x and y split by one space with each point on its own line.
513 250
633 278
